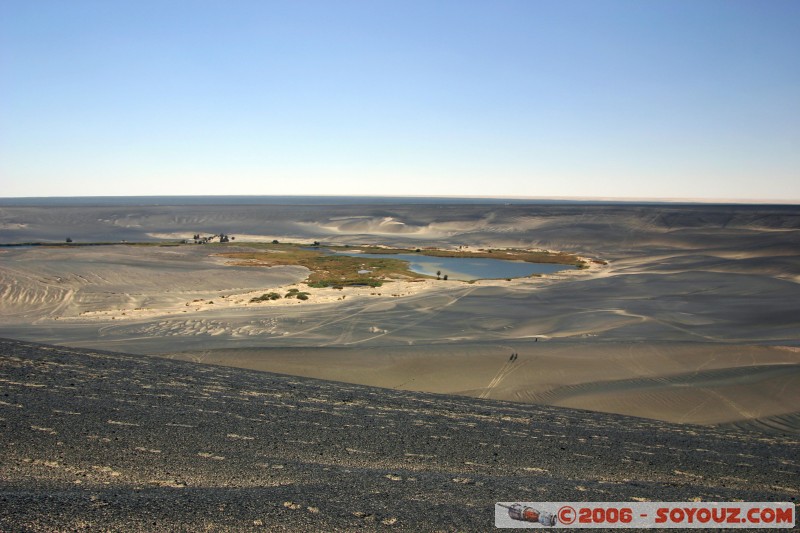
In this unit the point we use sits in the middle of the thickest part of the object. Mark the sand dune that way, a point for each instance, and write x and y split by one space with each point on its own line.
677 382
69 283
683 323
373 226
570 225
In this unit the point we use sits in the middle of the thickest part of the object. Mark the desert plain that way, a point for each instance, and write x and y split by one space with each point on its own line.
683 325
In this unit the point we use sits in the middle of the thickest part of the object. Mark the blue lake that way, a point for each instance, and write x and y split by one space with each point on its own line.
467 268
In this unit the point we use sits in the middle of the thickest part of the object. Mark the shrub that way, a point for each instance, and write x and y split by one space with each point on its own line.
266 296
296 293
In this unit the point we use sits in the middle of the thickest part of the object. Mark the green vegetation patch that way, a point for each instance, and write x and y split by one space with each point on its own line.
559 258
327 270
507 254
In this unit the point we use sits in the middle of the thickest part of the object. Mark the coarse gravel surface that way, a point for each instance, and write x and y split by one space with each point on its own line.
97 440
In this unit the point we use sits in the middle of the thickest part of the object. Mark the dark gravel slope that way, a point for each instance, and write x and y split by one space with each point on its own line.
106 441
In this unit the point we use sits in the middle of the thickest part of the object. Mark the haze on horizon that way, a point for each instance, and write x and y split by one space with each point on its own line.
622 99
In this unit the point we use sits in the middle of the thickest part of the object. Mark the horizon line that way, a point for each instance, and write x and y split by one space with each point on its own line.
620 199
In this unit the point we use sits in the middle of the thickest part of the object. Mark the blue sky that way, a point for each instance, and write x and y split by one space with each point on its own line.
632 99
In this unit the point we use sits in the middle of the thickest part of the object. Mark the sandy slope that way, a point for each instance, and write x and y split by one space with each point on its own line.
676 382
101 441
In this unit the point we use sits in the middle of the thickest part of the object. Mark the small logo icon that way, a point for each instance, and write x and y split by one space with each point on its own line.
566 514
523 513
